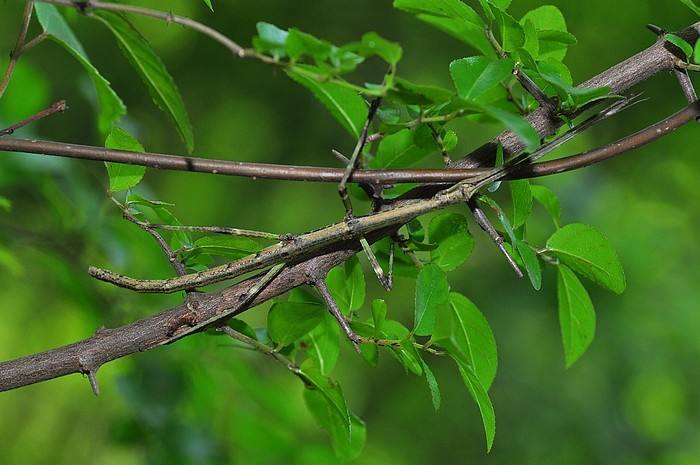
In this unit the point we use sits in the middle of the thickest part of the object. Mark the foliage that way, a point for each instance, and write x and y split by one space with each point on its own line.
418 122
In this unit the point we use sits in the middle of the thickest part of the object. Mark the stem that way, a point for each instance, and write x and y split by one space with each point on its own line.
17 51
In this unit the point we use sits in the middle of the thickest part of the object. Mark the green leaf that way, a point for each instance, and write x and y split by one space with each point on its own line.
407 354
454 242
330 390
208 3
347 285
696 54
270 39
531 263
586 251
464 332
151 69
691 4
375 44
549 200
242 327
532 44
415 94
547 18
346 447
522 201
679 42
483 402
576 315
123 177
324 344
379 311
300 43
432 293
433 386
111 106
512 34
578 96
451 16
517 124
474 76
344 104
399 150
289 321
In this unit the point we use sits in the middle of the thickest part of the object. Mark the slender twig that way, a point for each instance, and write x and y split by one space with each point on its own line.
224 230
17 51
385 279
162 243
34 42
440 143
332 306
355 158
57 107
534 90
686 85
483 221
259 346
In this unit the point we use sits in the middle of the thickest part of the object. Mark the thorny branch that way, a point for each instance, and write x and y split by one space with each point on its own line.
320 251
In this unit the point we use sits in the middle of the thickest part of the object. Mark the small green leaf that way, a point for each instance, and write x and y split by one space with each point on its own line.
300 43
346 447
549 200
696 54
474 76
432 293
449 140
531 263
399 150
579 96
389 51
289 321
464 332
111 106
347 285
547 18
586 251
406 353
151 69
454 242
324 344
270 39
330 390
576 315
242 327
379 311
451 16
138 205
208 3
517 124
691 4
512 34
522 201
344 104
121 176
433 386
415 94
679 42
532 44
483 402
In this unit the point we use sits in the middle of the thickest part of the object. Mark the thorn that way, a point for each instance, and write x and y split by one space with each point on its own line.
484 223
92 377
384 279
321 286
343 159
659 31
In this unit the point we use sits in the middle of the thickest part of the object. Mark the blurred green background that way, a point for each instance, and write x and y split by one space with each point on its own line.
632 399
